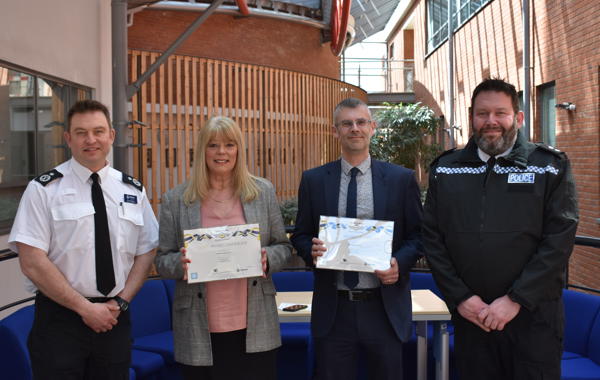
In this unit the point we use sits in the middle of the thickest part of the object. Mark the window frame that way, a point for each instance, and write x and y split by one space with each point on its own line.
69 93
547 112
436 36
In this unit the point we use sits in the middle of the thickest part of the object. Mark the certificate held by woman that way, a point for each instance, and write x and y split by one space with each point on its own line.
223 253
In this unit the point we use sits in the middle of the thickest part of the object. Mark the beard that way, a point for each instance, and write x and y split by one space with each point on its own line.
498 145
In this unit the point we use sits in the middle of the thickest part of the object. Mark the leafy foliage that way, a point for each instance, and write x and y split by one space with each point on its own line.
289 209
400 135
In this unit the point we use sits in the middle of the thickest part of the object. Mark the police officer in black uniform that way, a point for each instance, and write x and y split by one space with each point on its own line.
499 227
86 237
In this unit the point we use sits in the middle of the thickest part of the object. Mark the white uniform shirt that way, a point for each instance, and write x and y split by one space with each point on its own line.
58 218
485 157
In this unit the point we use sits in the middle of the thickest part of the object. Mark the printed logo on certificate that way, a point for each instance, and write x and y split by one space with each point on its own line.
223 253
360 245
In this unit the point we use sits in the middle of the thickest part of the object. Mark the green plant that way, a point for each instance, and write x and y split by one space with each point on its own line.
289 209
401 134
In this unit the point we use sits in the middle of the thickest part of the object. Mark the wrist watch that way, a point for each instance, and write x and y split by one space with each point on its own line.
123 305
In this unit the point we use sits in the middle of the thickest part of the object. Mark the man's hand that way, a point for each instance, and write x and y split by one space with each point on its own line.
318 248
389 276
99 316
500 312
471 308
115 313
184 263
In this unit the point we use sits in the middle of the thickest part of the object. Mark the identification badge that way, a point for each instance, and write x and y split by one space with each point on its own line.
130 199
521 177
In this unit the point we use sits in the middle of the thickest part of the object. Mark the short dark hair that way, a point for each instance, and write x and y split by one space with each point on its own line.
347 103
497 85
87 105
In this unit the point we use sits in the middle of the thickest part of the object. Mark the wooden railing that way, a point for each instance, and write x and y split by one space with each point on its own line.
285 116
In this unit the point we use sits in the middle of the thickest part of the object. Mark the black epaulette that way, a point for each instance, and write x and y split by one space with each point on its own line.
48 177
434 162
133 182
550 149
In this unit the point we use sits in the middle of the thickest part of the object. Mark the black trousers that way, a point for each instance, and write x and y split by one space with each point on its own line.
529 347
232 362
62 347
359 327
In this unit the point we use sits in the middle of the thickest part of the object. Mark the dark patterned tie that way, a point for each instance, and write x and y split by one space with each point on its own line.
491 162
105 274
351 278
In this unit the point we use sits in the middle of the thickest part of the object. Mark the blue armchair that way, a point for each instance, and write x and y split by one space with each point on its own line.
581 356
151 328
14 356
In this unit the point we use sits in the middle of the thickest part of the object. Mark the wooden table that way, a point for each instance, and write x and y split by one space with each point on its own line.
426 307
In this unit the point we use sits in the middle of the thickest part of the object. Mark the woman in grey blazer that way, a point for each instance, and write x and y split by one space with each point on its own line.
223 329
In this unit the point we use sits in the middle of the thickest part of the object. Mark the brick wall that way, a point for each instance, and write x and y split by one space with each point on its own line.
257 40
565 48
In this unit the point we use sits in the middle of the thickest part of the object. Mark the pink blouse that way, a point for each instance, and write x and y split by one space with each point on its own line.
226 300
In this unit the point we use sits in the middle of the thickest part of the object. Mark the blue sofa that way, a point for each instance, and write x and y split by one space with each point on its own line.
581 356
14 356
151 327
152 354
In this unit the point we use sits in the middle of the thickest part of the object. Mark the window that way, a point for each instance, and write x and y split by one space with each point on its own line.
547 101
437 18
32 120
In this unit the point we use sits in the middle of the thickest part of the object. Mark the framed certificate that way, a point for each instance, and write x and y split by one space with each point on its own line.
222 253
360 245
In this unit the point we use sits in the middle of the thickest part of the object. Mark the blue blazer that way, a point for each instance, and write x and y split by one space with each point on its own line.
396 197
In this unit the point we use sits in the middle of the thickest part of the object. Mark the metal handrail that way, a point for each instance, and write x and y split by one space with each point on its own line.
16 303
587 241
6 254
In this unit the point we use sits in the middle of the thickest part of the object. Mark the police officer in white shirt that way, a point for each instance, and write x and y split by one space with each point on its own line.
86 238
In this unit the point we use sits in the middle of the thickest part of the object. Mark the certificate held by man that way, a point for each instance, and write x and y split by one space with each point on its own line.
360 245
222 253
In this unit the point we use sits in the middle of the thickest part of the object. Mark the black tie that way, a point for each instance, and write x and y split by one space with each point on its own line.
491 162
351 278
105 274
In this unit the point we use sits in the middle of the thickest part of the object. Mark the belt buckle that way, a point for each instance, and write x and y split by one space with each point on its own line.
355 295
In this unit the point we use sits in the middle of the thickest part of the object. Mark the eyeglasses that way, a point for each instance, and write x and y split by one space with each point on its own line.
348 124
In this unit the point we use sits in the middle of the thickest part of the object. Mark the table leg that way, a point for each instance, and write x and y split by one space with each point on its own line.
422 350
441 350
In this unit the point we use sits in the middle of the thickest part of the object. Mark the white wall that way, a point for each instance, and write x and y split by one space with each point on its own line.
68 39
65 39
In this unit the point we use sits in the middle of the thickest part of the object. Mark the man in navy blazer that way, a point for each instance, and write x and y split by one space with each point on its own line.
354 311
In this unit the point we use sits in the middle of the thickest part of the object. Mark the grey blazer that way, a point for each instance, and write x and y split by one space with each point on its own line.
190 320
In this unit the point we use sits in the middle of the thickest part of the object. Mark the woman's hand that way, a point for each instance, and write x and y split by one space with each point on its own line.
184 263
264 261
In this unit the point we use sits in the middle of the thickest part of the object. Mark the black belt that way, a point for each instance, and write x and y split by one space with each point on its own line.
91 299
359 294
98 299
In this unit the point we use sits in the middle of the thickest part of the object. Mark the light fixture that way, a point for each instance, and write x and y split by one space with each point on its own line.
567 106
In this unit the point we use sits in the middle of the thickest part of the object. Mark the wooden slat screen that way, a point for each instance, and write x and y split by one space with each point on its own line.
284 115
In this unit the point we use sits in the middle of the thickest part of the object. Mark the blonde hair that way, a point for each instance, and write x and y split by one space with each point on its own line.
244 183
